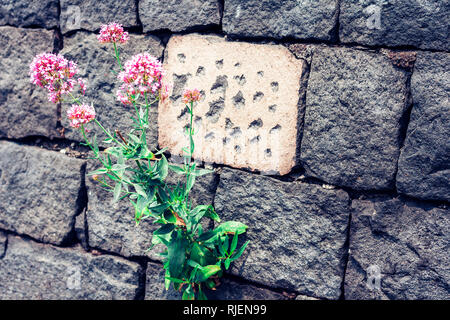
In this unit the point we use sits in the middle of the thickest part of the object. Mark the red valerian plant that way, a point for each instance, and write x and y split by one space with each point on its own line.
194 258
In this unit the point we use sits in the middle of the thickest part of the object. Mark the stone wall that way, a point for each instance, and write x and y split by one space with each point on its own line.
327 123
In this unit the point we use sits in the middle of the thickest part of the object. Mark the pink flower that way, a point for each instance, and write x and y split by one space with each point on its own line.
142 74
164 92
54 73
80 114
112 33
191 96
82 85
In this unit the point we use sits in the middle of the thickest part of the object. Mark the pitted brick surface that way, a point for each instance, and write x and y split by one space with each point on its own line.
248 114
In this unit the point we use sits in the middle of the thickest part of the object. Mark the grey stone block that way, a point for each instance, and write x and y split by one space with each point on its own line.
25 13
424 163
95 62
178 15
25 107
39 192
297 232
355 104
304 19
91 15
421 23
33 271
407 242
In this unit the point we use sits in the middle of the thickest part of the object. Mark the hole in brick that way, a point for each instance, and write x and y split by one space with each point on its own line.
226 140
275 129
260 74
219 64
183 114
181 57
215 109
236 132
256 124
240 79
239 100
202 95
273 108
220 86
237 64
179 83
258 96
200 71
268 153
198 121
228 123
274 86
209 136
237 148
255 139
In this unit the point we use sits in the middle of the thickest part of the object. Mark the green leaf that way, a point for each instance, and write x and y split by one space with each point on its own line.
205 272
177 253
201 172
231 227
98 171
139 190
240 252
201 295
118 167
117 191
188 293
167 228
189 184
163 167
227 263
177 169
234 243
192 144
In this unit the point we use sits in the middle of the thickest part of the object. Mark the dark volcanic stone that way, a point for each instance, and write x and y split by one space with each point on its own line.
297 232
424 163
39 192
33 271
24 106
355 104
420 23
178 15
91 14
24 13
95 61
407 241
279 19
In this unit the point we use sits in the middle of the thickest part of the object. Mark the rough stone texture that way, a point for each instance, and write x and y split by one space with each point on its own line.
353 122
25 108
95 62
39 192
178 15
25 13
111 226
305 19
297 232
420 23
408 241
32 271
424 163
91 14
248 114
3 240
228 289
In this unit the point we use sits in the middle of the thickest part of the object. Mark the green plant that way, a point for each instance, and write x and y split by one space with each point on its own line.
194 258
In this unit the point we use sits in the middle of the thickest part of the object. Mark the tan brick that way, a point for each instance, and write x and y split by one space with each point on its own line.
248 115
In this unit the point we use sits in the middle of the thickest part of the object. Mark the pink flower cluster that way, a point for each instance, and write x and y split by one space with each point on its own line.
80 114
142 74
56 74
191 96
112 33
